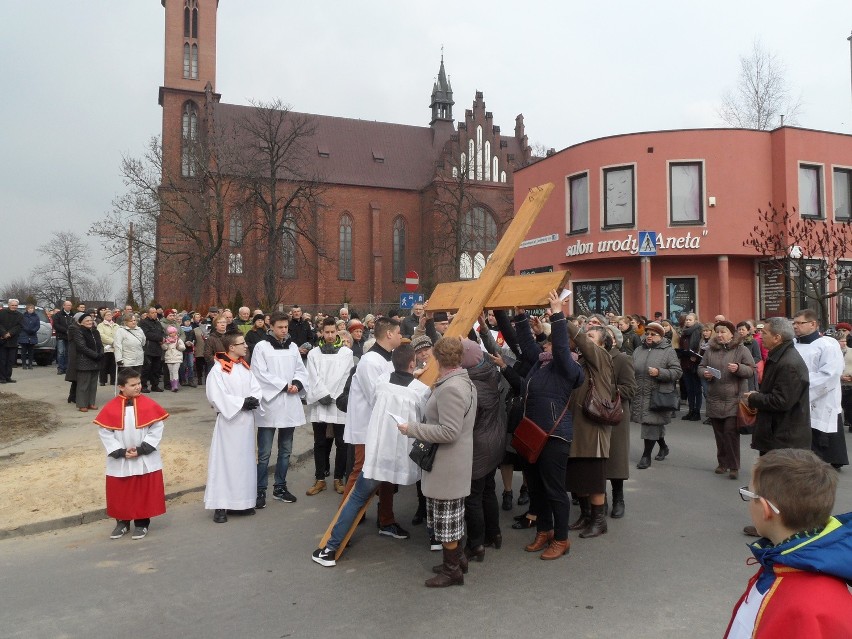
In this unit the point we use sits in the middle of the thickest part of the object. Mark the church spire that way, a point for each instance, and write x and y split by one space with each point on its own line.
442 96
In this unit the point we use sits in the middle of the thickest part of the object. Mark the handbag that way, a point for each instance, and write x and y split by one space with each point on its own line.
602 410
529 438
746 418
662 402
423 454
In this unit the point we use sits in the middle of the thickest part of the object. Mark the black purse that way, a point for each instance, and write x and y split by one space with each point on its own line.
423 454
662 402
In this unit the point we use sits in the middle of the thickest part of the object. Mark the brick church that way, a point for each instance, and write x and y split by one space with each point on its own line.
384 198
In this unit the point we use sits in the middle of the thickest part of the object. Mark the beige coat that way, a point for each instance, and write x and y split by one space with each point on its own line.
618 465
448 422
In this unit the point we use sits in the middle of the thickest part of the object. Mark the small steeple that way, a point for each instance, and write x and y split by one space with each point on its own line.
442 96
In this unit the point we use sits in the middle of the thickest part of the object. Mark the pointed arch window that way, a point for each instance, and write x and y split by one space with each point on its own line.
186 62
289 249
235 228
190 34
495 170
462 165
486 163
479 152
471 153
189 136
399 249
186 19
193 62
477 240
195 19
235 264
344 268
502 176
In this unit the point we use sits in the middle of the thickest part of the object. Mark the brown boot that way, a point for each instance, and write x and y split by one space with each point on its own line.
451 572
463 563
585 515
540 542
338 486
317 488
597 525
556 549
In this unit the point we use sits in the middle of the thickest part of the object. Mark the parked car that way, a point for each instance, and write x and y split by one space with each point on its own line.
45 349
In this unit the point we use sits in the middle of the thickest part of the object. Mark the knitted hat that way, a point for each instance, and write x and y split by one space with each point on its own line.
171 330
843 326
656 327
171 311
78 317
258 316
472 354
617 334
727 325
420 342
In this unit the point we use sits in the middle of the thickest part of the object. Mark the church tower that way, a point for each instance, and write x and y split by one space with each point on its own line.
189 79
442 98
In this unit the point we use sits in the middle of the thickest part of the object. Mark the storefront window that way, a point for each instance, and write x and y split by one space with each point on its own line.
842 194
619 197
600 296
680 297
810 190
686 193
578 203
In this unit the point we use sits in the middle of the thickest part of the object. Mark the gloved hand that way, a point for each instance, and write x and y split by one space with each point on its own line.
327 400
251 403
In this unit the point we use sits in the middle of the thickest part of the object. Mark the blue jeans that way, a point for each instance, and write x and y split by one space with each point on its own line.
62 355
359 495
264 449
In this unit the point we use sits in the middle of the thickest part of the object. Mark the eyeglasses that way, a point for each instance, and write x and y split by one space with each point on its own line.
804 322
239 343
746 495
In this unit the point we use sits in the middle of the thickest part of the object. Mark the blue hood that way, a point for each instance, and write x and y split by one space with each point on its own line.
829 552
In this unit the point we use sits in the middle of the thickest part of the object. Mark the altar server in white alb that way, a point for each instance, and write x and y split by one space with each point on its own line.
328 367
278 368
231 472
131 427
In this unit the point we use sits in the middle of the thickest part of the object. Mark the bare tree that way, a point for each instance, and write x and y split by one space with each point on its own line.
275 175
99 287
66 266
811 252
21 288
761 97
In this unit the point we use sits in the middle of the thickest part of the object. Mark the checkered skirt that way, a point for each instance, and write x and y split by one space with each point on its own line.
446 518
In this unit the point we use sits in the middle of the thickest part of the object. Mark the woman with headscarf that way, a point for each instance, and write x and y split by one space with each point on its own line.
617 464
89 352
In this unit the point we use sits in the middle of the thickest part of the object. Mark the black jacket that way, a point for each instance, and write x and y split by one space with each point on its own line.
783 402
87 342
10 322
489 429
301 331
154 336
61 322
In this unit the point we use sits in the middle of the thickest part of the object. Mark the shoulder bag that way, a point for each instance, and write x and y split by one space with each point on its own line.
529 438
746 418
601 409
422 452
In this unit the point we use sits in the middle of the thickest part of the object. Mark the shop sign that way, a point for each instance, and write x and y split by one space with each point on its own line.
539 240
630 244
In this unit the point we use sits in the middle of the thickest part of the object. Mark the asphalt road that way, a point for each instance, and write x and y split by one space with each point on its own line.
673 567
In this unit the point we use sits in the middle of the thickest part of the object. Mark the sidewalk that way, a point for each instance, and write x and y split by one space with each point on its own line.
57 480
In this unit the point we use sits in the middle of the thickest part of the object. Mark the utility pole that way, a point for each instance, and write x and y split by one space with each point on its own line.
850 54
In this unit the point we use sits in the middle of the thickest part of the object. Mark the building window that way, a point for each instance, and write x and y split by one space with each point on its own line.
843 194
186 19
235 228
189 137
486 164
578 203
477 240
479 152
619 197
471 153
344 270
810 190
195 19
462 165
235 264
193 62
681 296
289 248
686 192
186 63
495 169
598 296
399 250
503 176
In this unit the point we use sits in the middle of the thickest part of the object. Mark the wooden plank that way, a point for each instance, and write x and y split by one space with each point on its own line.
352 528
475 297
521 291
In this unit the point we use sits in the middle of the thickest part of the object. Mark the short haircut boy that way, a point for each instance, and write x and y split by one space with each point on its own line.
384 326
278 316
126 374
402 357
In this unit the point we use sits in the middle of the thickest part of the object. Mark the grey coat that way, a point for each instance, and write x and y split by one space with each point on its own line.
663 357
448 421
723 395
489 431
618 465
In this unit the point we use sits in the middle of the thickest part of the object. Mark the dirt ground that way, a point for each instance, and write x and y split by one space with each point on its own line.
23 418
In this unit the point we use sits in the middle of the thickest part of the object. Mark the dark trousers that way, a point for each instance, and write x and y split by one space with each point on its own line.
27 351
846 403
694 393
727 442
548 498
151 370
481 511
8 355
108 368
322 451
87 388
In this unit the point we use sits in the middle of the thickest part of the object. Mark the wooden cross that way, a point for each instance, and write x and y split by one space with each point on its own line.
492 290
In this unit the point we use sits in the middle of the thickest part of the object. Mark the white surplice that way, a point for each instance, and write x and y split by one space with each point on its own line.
386 449
328 373
275 369
824 360
231 467
362 395
132 437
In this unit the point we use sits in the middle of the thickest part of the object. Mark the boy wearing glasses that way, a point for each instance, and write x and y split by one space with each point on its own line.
804 554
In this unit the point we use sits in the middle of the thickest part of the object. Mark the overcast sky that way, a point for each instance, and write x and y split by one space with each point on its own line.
79 80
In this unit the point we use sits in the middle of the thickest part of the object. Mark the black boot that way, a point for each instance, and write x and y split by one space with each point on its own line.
585 515
451 572
420 515
617 503
664 452
597 526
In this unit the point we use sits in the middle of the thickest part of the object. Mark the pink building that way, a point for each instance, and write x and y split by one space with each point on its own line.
698 192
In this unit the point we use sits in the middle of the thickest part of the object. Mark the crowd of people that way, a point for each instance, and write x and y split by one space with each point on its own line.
356 381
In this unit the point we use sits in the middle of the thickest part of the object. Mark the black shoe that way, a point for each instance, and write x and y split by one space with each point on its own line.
707 422
281 493
156 389
121 528
11 381
220 516
145 389
242 513
508 496
324 557
60 372
644 462
617 508
495 542
394 530
475 554
664 452
525 523
521 517
260 502
524 496
420 515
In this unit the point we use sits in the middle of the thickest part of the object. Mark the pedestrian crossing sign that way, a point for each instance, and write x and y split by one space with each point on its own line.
647 243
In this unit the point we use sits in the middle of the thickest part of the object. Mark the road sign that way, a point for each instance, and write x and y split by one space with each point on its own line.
647 243
412 281
408 300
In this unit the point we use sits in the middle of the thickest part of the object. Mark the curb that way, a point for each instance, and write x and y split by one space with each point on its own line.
99 514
